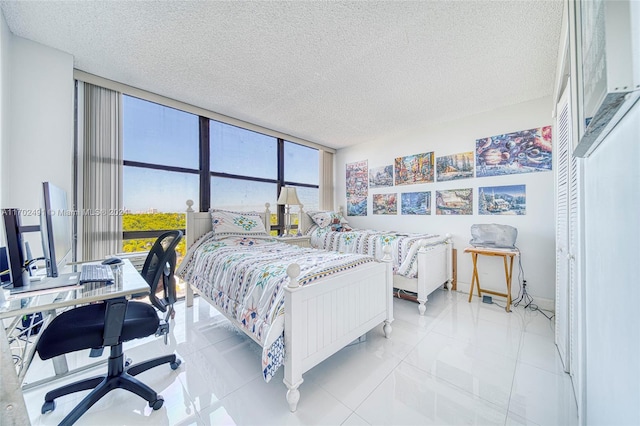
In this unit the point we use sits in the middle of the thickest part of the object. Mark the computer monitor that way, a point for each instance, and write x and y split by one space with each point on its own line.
55 228
15 253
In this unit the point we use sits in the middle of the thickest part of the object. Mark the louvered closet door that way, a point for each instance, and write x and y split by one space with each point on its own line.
563 158
574 261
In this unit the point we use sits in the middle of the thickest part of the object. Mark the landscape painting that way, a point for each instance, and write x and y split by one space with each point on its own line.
503 200
357 206
418 203
380 177
454 202
357 179
385 203
456 166
414 169
525 151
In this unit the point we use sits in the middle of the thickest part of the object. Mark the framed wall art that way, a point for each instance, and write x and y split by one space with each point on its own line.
415 203
456 166
502 200
357 179
525 151
385 204
454 202
380 177
414 169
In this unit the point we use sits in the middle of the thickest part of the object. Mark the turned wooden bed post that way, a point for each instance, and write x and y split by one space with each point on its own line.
388 260
190 240
421 279
450 264
292 366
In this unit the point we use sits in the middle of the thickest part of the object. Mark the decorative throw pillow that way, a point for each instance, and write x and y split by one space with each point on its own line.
326 218
226 223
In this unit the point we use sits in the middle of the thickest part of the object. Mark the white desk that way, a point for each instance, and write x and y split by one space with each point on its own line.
127 283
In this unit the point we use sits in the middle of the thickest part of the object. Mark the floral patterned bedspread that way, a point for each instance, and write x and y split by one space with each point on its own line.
404 246
245 277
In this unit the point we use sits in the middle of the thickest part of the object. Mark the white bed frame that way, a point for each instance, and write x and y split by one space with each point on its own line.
322 317
434 270
435 267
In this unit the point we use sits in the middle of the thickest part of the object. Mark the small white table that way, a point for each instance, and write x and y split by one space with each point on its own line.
296 240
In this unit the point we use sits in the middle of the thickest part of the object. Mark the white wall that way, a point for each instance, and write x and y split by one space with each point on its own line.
536 234
38 144
5 46
612 244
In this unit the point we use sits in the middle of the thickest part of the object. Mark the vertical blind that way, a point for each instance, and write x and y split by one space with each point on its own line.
99 171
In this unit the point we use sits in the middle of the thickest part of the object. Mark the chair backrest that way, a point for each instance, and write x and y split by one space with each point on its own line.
159 266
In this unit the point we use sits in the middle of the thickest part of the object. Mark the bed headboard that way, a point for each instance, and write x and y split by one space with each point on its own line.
199 223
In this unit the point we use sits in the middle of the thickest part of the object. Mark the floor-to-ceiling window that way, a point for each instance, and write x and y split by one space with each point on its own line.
161 165
171 156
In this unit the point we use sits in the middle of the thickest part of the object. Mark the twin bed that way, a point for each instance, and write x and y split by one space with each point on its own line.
422 262
302 305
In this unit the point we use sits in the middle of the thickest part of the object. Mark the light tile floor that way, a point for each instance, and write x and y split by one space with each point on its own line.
461 363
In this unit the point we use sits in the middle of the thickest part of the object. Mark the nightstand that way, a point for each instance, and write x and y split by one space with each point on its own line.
298 240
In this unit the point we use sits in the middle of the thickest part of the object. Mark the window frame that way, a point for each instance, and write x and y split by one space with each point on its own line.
205 174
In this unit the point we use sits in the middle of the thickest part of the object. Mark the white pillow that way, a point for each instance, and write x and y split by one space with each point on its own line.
226 223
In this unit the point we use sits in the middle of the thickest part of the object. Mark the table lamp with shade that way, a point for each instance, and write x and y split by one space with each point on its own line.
288 197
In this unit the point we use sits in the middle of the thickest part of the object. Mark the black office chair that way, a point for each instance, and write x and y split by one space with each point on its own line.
110 324
159 267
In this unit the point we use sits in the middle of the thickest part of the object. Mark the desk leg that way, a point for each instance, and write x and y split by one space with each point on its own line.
12 406
474 278
60 366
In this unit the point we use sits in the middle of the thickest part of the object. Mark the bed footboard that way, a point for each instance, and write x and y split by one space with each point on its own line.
322 318
434 270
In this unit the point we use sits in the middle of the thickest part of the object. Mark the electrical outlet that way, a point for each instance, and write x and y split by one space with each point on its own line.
487 299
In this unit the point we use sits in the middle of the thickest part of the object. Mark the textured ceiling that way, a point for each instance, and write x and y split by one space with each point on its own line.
336 73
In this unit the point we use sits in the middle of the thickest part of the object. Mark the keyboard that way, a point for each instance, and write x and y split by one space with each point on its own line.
96 273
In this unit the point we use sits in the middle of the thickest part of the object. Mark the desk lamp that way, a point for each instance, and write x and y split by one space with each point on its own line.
288 197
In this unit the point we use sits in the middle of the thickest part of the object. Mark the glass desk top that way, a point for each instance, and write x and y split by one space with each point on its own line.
127 283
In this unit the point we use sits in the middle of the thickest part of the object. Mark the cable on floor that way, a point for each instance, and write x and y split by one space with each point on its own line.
524 297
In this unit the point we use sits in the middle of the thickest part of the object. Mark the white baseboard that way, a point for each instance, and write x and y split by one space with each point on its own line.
546 304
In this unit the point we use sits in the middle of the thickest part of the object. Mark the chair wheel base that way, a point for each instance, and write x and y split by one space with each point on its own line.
47 407
157 404
175 365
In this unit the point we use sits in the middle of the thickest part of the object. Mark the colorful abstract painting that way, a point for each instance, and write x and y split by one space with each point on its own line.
357 179
456 166
385 204
357 206
414 169
506 200
454 202
525 151
418 203
380 177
